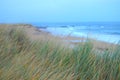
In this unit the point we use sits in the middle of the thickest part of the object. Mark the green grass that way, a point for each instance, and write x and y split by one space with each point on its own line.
22 59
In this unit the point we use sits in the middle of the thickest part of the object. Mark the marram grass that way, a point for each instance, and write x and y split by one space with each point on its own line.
22 59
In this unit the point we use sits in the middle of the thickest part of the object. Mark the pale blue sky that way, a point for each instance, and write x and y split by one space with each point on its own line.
59 10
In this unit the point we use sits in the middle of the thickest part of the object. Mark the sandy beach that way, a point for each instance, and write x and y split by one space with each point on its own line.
36 34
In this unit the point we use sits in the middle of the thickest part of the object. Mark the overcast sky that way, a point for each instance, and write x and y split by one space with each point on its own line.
59 10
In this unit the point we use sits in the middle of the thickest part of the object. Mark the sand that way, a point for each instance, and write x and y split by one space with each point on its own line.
35 34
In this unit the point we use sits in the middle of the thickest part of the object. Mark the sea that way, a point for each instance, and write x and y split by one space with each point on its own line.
103 31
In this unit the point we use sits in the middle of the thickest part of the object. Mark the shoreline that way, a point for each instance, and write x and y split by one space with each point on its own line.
38 34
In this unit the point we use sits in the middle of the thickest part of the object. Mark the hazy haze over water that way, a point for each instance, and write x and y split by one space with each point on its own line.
16 11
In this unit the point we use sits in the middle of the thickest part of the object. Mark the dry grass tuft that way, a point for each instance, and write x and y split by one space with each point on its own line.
22 59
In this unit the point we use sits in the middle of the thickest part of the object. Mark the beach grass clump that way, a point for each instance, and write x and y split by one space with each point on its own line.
23 59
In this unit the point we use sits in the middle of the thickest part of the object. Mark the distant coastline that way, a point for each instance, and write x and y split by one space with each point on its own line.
38 34
103 31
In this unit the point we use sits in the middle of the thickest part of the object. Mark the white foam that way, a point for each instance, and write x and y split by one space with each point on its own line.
69 30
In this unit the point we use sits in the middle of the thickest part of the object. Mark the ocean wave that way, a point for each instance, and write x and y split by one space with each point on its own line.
114 33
